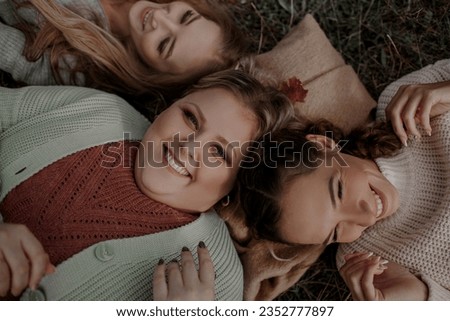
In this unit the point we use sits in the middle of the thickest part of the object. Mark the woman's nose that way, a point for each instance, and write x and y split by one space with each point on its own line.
162 18
362 213
191 149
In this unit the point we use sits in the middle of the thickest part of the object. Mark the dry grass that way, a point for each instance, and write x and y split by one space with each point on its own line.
382 40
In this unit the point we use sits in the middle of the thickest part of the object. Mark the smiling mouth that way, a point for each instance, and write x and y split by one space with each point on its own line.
379 203
174 163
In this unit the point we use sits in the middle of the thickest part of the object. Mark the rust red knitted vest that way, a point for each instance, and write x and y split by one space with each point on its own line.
85 198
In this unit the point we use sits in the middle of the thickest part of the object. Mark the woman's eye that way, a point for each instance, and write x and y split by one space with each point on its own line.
340 189
162 45
335 235
192 119
186 16
218 150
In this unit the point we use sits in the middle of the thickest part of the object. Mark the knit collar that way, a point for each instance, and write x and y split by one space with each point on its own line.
399 171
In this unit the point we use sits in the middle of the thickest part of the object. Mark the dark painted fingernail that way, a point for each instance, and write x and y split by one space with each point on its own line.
201 245
161 262
174 261
185 249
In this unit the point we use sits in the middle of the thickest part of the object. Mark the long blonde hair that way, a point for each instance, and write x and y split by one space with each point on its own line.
107 63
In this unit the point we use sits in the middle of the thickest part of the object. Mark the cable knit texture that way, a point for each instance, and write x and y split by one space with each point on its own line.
417 236
13 42
46 128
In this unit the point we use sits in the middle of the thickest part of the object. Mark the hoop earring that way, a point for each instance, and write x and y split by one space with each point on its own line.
226 201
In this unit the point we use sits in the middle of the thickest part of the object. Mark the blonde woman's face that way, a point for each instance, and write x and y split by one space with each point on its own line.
173 37
190 155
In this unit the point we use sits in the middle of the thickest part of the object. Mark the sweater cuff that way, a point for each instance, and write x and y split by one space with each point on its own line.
436 292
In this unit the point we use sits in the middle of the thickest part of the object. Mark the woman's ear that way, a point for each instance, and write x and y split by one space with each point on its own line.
323 141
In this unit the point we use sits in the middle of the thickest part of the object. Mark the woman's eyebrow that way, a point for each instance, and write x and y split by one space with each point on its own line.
172 45
224 142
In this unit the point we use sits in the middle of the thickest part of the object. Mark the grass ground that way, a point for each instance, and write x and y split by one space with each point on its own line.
382 40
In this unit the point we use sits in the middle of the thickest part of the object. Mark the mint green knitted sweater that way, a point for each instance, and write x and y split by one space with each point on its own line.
39 125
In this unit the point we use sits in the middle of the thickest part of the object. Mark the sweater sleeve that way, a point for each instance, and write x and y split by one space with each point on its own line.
439 71
37 72
436 292
20 104
12 61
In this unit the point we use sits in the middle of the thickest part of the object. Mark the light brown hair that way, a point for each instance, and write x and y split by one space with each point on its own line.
106 62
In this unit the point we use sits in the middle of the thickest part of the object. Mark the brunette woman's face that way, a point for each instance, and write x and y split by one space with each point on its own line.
190 155
173 37
336 203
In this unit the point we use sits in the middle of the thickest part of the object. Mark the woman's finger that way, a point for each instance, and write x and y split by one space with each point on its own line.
409 114
206 266
353 260
174 278
19 267
5 277
39 259
394 113
354 254
354 274
160 290
367 286
188 270
425 114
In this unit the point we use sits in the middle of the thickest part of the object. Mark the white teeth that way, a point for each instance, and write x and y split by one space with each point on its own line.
175 166
379 204
144 22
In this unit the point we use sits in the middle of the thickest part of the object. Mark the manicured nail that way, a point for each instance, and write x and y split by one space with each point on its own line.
185 249
429 132
405 143
384 262
161 262
369 254
201 245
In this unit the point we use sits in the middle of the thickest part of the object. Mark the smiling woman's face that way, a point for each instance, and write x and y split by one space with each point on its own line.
173 37
189 156
335 203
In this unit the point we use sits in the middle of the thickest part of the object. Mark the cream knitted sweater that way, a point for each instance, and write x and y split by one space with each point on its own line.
12 43
417 236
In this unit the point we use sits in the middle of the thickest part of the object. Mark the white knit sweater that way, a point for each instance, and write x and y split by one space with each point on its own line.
417 236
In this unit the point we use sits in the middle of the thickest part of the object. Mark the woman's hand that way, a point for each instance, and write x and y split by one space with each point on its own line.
23 260
184 282
358 273
416 104
371 278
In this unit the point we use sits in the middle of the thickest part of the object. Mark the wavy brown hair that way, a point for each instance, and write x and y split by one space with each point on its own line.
108 63
272 109
261 182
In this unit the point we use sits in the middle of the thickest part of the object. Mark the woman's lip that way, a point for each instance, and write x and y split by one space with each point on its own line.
383 201
176 160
